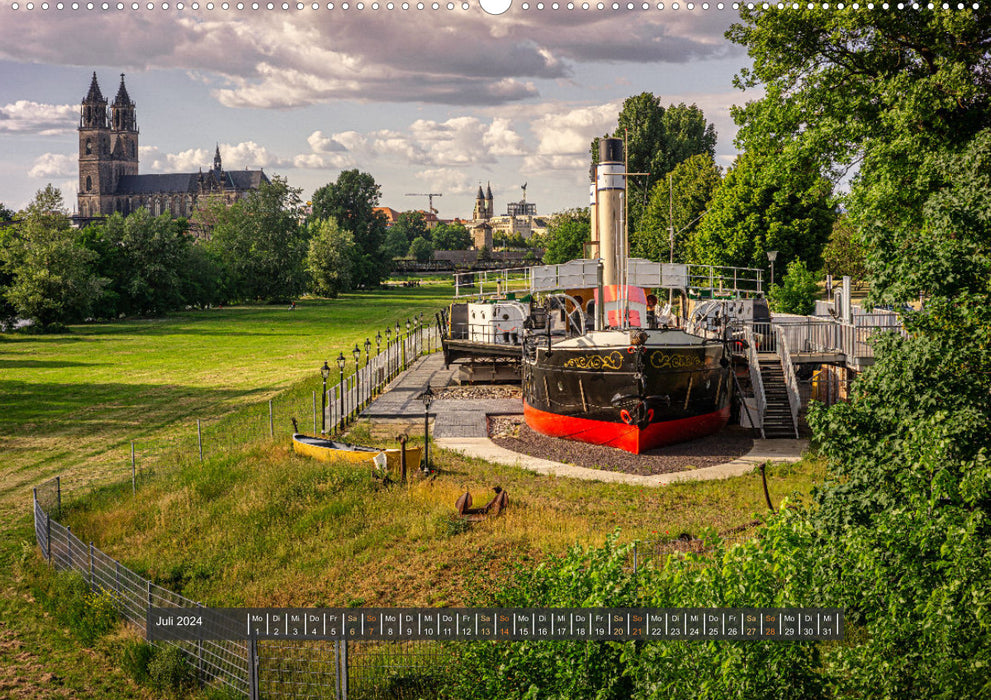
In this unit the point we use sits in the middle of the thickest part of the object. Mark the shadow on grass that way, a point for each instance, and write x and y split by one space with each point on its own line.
44 364
40 409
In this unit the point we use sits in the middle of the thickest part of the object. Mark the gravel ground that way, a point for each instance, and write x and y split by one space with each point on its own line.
482 391
513 434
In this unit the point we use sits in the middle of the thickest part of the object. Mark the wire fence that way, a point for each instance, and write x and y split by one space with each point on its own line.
359 379
255 669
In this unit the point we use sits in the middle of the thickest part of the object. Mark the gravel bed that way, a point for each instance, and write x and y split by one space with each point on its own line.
481 391
513 434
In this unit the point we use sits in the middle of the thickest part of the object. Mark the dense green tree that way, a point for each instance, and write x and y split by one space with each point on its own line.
412 224
330 260
693 182
657 140
797 292
8 314
52 283
351 201
887 92
421 250
395 244
262 243
756 209
844 254
567 235
145 260
451 237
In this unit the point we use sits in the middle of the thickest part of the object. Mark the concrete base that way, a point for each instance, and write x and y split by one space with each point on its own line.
763 451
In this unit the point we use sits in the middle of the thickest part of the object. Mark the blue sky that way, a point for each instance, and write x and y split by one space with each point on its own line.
425 101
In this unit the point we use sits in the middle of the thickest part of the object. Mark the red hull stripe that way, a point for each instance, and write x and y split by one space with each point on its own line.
625 437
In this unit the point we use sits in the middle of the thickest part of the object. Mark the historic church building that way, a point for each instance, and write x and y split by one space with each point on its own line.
108 167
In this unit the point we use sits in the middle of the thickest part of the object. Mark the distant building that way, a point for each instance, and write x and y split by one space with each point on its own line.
108 167
520 218
391 216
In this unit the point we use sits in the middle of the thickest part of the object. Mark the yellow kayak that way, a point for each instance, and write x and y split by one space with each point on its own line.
331 451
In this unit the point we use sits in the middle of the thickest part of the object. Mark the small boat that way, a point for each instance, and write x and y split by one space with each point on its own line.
326 450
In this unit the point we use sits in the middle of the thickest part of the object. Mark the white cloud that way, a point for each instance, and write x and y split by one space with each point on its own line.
448 181
26 117
570 130
324 144
53 165
323 161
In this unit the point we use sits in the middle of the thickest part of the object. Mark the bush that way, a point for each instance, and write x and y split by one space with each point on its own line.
798 291
169 670
89 615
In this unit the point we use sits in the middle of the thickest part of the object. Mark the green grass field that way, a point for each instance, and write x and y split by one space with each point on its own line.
255 524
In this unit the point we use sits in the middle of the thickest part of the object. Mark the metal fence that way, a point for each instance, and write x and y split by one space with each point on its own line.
358 380
256 669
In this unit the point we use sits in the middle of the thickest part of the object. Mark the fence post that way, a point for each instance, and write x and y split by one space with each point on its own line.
68 545
337 669
253 666
117 579
58 491
134 471
91 566
48 538
34 511
271 420
148 586
199 437
344 670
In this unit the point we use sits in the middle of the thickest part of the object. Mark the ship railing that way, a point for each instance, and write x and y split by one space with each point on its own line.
731 281
791 381
492 283
756 380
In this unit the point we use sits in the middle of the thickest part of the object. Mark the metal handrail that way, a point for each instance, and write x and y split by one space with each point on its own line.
756 380
791 381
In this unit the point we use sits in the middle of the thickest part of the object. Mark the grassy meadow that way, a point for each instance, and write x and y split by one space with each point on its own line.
254 524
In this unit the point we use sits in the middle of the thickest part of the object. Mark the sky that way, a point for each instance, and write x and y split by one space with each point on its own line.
425 100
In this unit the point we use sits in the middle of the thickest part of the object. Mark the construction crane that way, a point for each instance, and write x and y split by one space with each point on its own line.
429 195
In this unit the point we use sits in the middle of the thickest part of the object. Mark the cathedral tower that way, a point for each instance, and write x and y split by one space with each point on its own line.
96 173
124 128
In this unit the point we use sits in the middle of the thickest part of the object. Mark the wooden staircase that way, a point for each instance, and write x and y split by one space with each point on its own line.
778 422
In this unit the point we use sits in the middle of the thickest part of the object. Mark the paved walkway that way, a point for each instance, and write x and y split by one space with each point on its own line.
461 426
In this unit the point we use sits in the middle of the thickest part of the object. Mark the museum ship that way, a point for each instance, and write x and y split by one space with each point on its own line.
630 382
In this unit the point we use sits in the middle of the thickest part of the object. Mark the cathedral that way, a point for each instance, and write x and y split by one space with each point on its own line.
108 167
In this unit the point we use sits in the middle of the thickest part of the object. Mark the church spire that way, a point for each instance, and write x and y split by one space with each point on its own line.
94 94
122 99
216 160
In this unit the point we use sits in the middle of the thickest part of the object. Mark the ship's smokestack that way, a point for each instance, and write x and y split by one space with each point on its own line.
610 183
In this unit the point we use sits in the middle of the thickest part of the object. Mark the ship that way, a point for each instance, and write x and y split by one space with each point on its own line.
623 375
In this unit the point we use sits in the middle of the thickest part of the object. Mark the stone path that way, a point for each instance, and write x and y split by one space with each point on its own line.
460 425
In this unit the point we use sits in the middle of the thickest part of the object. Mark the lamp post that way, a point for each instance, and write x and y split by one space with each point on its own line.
379 375
340 365
388 351
325 373
772 255
407 345
368 347
356 353
427 397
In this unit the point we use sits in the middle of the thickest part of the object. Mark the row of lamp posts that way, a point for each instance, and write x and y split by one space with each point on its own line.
427 396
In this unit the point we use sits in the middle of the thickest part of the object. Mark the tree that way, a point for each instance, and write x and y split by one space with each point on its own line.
52 283
693 182
330 259
395 244
8 314
421 250
412 224
657 140
144 258
451 237
797 292
262 243
885 92
844 255
757 208
351 201
567 235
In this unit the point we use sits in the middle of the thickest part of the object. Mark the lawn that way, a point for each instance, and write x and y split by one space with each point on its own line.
254 524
